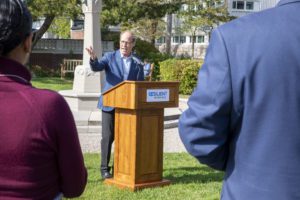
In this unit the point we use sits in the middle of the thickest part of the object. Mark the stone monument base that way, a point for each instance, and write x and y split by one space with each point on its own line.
79 101
84 108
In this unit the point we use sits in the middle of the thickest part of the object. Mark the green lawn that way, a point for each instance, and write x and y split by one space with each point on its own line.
55 83
52 83
190 181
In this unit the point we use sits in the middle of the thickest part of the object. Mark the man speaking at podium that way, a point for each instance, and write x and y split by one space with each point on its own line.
119 65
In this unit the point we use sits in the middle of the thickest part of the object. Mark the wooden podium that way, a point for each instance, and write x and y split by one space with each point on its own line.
139 123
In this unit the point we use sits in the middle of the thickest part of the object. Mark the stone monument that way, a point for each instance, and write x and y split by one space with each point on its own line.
87 84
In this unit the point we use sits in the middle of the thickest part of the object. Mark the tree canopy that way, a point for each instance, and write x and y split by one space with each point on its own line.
202 15
49 9
143 16
116 12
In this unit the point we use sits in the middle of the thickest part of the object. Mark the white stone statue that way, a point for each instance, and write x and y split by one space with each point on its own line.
86 80
87 84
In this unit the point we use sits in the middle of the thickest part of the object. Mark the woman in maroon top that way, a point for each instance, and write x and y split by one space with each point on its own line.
40 155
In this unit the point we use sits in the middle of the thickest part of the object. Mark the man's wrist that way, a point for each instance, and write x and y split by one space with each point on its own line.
93 59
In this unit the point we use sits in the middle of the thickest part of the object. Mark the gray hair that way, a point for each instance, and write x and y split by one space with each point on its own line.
133 36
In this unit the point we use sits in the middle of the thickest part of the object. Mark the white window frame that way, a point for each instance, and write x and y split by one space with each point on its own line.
245 2
174 40
161 40
182 39
198 38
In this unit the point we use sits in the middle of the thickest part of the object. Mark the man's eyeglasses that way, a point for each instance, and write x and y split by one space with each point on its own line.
125 42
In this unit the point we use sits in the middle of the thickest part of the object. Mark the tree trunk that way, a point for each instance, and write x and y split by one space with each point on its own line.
169 34
193 42
193 46
39 33
153 31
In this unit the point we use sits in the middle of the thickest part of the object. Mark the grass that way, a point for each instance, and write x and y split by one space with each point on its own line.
190 180
55 83
52 83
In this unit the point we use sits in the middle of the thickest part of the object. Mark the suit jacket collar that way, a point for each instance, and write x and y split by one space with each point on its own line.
283 2
118 54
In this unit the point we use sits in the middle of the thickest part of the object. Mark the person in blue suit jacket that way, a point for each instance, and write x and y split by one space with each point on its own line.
119 65
147 67
244 115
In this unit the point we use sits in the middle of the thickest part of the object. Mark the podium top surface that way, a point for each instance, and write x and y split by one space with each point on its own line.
142 95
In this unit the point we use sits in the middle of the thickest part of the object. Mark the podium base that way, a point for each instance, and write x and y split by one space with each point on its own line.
138 186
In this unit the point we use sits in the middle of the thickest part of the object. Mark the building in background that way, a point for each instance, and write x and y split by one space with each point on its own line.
241 8
181 43
77 29
50 51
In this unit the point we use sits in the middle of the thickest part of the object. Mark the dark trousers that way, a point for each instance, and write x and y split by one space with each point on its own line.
108 125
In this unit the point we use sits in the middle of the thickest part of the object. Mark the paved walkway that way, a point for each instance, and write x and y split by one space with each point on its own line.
90 135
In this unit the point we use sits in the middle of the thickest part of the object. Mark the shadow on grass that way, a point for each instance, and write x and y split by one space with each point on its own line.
193 175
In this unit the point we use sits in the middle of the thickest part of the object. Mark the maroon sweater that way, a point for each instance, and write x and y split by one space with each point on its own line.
40 154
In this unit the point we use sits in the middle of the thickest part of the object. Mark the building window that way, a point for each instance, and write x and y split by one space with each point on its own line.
240 5
161 40
182 39
249 5
234 4
243 5
200 39
184 7
176 39
179 39
197 39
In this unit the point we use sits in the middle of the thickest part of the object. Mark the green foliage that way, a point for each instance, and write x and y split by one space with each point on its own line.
143 49
121 11
185 71
143 17
171 69
189 180
49 10
156 58
44 8
147 29
146 50
61 27
202 16
38 71
189 78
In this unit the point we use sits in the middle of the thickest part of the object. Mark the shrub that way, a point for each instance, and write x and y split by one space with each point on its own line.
185 71
146 50
157 58
171 69
189 79
38 71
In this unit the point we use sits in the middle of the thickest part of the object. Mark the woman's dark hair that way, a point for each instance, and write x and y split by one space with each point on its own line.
15 24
